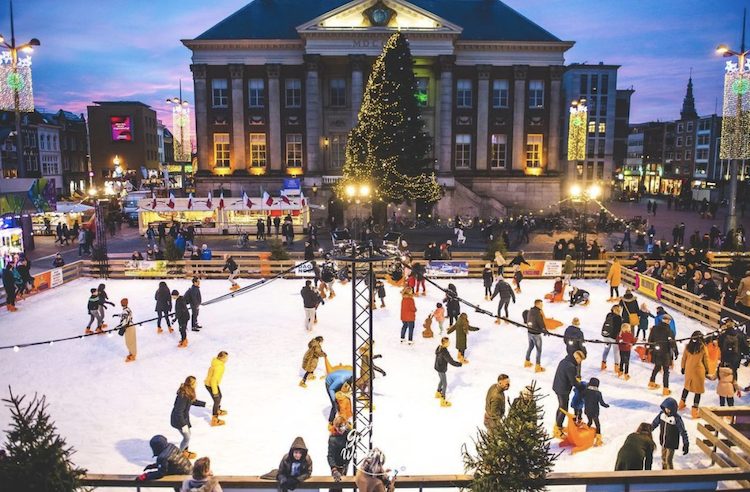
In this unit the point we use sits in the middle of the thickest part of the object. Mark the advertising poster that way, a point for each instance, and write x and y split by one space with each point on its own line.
135 268
447 269
121 128
56 277
301 270
535 268
552 269
648 286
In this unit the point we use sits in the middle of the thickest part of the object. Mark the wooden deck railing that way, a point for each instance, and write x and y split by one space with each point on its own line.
70 272
723 437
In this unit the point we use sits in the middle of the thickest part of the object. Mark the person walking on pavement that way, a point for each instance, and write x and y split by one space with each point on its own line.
194 299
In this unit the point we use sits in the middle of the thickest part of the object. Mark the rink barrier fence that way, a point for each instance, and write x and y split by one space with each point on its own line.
70 272
722 437
600 481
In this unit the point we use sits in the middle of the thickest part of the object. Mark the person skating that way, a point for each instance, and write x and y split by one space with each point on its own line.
163 300
439 316
418 272
231 266
573 338
169 460
182 316
592 399
372 476
327 276
727 386
732 344
212 383
92 306
338 459
127 328
643 317
310 359
630 313
625 341
296 466
310 300
380 290
695 368
494 402
637 453
408 315
506 294
516 262
566 378
535 327
202 479
334 381
487 279
610 331
462 329
568 269
671 429
103 302
614 278
193 298
663 350
442 359
9 284
452 304
344 401
180 417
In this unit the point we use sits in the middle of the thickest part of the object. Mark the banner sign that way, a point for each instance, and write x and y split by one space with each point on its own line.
121 128
541 268
301 270
56 277
447 269
135 268
552 269
291 184
648 286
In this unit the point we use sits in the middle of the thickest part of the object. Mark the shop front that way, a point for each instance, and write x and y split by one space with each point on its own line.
670 186
45 223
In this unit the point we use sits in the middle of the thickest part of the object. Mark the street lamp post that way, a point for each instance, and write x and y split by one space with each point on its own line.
181 132
577 194
357 193
16 83
735 141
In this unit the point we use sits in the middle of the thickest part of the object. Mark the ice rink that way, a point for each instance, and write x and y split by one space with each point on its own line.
108 410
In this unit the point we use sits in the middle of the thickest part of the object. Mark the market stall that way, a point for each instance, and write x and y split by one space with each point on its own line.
242 216
45 223
182 210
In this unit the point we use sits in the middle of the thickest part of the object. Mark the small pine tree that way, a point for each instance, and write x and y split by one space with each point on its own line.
278 252
496 244
516 455
171 251
38 459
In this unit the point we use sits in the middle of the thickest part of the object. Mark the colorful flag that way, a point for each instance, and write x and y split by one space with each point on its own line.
153 201
302 199
170 203
190 202
246 200
208 201
286 200
267 199
221 200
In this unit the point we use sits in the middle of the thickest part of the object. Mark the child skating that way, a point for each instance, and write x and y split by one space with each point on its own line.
310 359
462 329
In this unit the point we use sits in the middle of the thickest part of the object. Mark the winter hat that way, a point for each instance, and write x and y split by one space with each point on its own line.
487 265
158 443
593 382
175 293
660 310
576 322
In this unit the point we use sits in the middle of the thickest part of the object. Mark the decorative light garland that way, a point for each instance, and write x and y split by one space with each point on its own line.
735 124
16 82
181 135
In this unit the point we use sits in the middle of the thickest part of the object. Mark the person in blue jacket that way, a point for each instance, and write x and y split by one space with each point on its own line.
205 252
671 429
660 313
334 381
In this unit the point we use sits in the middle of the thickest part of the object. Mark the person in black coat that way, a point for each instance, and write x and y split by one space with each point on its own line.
442 359
103 301
338 460
180 417
578 296
194 299
663 348
566 378
309 251
169 460
592 399
638 451
505 291
708 288
182 315
452 304
9 284
574 339
163 300
295 467
536 327
487 278
610 332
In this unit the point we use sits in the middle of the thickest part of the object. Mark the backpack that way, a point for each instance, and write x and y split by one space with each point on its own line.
525 316
731 344
607 326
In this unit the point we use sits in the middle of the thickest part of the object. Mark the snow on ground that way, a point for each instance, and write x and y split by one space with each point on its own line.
108 410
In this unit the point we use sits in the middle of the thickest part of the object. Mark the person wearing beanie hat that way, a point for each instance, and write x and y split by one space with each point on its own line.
578 296
127 329
182 315
566 378
695 368
573 338
169 460
592 398
487 278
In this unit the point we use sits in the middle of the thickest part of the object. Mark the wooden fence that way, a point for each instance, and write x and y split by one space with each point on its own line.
70 272
723 437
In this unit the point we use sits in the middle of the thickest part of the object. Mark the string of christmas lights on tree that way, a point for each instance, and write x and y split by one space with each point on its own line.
735 125
389 147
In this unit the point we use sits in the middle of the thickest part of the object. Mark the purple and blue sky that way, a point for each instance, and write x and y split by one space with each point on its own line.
131 50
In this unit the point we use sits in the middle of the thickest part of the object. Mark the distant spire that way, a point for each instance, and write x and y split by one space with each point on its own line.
688 104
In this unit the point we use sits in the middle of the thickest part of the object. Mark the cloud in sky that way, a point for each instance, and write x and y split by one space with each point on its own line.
131 50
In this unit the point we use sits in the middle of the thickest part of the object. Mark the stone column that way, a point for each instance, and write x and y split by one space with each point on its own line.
446 113
555 122
274 118
483 101
519 117
313 113
357 64
201 117
237 75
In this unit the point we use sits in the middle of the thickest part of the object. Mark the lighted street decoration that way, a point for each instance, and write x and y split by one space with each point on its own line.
577 125
735 126
16 80
181 128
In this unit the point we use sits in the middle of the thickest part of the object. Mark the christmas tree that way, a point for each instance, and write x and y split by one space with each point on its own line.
37 458
515 456
389 147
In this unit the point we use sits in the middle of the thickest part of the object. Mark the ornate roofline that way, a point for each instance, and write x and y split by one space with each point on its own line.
473 45
243 44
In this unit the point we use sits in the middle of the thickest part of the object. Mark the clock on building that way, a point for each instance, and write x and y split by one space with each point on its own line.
379 14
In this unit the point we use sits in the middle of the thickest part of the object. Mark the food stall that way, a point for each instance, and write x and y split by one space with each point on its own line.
66 213
235 216
11 242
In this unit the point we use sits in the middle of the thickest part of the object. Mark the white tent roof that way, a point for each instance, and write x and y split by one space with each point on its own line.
200 204
68 207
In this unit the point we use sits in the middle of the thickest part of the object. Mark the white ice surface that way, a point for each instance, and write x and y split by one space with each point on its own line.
108 409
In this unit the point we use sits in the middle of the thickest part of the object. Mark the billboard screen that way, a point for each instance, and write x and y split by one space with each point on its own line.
121 128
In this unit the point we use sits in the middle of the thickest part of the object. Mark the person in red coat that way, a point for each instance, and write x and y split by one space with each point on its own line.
625 340
408 314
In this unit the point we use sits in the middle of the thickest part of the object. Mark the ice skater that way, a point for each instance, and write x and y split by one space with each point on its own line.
193 298
182 316
180 417
614 278
127 328
92 306
103 302
310 359
212 382
462 329
442 359
579 296
408 315
505 291
163 300
452 304
592 399
231 266
487 279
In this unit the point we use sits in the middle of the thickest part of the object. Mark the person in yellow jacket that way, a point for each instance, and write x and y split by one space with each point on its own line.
614 277
212 382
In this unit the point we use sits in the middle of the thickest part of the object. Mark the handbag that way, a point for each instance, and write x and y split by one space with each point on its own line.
121 331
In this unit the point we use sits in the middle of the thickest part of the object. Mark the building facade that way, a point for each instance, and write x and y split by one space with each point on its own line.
48 135
124 143
278 86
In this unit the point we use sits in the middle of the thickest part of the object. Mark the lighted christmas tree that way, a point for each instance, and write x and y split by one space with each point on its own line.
389 147
515 456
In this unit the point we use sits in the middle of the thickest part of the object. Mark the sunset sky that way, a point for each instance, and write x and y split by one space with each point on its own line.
131 50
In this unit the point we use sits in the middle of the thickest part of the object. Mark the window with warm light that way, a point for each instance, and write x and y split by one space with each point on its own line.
256 93
337 92
463 151
423 92
464 94
498 151
592 126
337 149
534 150
602 128
293 93
294 150
221 149
536 93
219 93
258 149
500 93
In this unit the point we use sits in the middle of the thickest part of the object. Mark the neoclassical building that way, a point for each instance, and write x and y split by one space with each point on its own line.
278 85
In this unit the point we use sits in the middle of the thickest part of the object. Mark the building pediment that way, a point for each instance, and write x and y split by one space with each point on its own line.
378 16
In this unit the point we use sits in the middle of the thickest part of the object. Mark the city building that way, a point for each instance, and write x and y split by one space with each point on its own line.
74 151
8 153
124 144
279 83
48 135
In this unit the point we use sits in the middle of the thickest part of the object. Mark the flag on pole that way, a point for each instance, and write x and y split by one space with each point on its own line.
246 200
153 201
285 199
221 200
267 199
302 199
208 201
190 202
170 203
